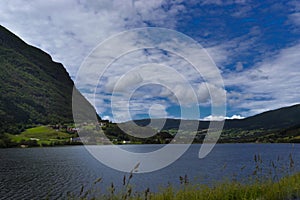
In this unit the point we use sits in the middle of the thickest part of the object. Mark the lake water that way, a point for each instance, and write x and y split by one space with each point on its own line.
37 173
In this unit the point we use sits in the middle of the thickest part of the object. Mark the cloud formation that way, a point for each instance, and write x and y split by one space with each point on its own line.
178 70
220 118
254 44
69 30
270 84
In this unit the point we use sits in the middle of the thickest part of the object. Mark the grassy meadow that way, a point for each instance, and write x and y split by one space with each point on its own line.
286 188
41 136
258 186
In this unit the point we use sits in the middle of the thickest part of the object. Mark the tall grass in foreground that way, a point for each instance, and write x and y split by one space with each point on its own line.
286 188
261 185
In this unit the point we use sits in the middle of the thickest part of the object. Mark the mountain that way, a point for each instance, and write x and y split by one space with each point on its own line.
34 89
280 126
274 119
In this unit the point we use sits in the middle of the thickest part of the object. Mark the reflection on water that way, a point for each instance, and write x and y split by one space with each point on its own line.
37 173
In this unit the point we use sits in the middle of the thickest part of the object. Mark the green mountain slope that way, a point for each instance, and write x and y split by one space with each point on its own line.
274 119
280 125
34 89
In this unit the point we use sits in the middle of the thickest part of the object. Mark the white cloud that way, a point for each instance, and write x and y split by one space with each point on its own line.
69 30
270 84
239 66
126 81
222 2
158 111
232 50
106 117
235 117
167 65
208 92
220 118
295 18
214 118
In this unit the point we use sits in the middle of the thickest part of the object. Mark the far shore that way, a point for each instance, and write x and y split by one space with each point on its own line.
128 144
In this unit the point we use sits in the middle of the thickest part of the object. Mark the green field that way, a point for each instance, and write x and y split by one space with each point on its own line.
41 136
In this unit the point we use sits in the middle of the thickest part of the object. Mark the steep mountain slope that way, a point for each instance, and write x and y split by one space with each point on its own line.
34 89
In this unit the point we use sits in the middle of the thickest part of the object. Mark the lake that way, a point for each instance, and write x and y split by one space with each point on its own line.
37 173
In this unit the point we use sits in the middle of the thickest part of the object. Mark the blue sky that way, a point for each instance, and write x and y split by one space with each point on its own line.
254 44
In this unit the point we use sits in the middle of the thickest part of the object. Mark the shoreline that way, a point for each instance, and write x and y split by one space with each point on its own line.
74 145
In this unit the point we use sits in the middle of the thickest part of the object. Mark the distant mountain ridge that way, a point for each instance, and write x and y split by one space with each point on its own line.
34 89
281 118
274 119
